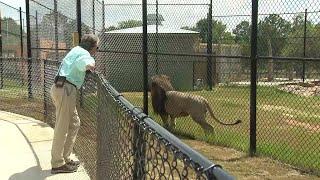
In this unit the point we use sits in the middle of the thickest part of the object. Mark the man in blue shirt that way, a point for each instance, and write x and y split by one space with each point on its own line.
69 79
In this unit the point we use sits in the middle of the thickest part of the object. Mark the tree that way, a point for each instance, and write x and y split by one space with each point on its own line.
273 29
10 31
313 43
129 24
220 35
242 34
125 24
111 28
272 38
295 43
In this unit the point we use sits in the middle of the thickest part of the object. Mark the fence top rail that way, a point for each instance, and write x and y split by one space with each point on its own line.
11 6
44 6
198 161
290 58
154 4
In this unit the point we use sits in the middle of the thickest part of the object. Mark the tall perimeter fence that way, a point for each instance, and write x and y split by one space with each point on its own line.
254 61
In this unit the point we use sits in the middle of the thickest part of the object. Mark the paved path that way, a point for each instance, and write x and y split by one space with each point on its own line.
25 145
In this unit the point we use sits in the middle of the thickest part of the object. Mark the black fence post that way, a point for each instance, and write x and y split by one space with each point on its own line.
45 97
304 45
103 17
21 43
139 150
79 19
1 58
253 90
145 56
56 33
157 36
21 33
209 48
138 140
79 34
93 17
103 65
37 36
30 95
193 75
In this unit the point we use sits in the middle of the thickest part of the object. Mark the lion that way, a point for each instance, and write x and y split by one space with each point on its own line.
167 102
163 81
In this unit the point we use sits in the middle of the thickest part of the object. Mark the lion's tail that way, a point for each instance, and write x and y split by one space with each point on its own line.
216 119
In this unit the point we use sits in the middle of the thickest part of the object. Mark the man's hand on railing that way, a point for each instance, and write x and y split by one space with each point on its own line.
90 67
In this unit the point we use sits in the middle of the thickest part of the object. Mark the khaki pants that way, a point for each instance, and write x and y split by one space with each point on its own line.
67 124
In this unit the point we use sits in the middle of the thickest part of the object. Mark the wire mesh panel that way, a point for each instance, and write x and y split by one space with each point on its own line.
288 119
99 149
121 47
17 88
87 137
50 70
87 15
146 150
196 48
66 25
12 31
288 114
85 146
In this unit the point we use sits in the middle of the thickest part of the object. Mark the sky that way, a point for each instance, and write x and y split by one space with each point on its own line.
230 12
13 13
178 16
15 3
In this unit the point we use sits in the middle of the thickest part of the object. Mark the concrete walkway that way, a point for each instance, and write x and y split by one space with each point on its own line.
25 146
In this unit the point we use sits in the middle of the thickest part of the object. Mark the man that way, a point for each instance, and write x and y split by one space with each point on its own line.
69 79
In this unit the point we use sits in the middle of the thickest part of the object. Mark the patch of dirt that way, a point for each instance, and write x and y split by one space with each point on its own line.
309 127
288 112
302 89
240 165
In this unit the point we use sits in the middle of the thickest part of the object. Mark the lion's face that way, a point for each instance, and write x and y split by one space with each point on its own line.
163 81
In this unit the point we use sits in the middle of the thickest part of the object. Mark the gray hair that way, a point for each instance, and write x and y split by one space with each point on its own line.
89 41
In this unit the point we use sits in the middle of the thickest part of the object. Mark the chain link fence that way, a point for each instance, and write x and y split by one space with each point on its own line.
205 48
13 31
115 136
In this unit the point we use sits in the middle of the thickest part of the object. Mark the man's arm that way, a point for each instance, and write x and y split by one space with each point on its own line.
85 63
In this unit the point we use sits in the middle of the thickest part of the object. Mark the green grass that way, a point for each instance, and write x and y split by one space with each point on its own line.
290 143
294 143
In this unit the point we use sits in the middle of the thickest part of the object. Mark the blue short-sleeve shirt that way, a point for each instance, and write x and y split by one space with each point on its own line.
74 65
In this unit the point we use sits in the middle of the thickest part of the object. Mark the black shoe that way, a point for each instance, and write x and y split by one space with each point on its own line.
64 169
73 163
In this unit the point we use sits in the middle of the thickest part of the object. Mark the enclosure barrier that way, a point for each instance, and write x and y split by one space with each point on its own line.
116 140
130 140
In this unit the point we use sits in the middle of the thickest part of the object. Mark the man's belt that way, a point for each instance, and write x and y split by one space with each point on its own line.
60 80
71 83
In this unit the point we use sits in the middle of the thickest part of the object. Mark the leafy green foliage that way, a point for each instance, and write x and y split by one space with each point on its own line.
273 29
219 32
10 31
126 24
